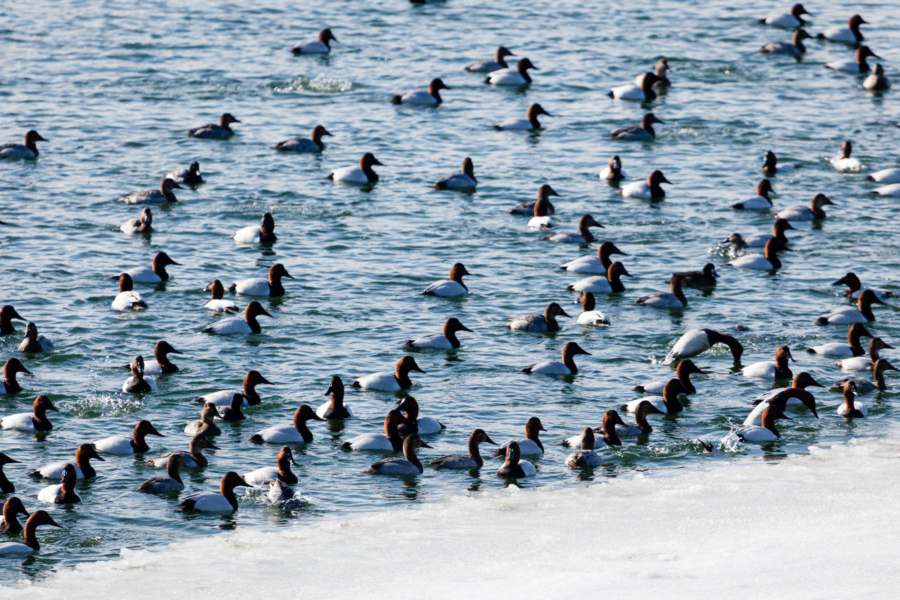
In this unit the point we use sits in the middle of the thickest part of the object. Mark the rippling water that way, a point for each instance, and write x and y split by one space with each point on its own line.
114 87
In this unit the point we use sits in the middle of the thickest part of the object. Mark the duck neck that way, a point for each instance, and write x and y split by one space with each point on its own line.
685 378
300 425
371 175
450 334
228 492
9 515
569 361
41 422
589 304
769 423
174 472
31 535
678 292
641 421
196 453
275 286
250 394
585 231
285 473
532 118
866 310
534 435
138 443
880 385
393 436
252 323
403 379
5 486
782 370
84 463
647 88
9 379
160 270
475 452
855 347
409 453
671 401
610 436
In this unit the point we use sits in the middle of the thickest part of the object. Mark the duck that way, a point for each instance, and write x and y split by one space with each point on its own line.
389 442
642 133
531 443
683 373
461 461
771 168
529 123
668 403
390 382
585 456
844 315
127 298
217 303
767 262
766 432
320 45
159 196
453 286
641 426
415 423
760 201
508 76
887 190
123 445
257 286
206 423
886 176
170 483
142 225
7 314
442 341
794 47
642 92
9 384
772 370
38 517
213 131
847 35
137 383
408 465
845 162
541 323
527 208
489 66
613 170
855 288
659 69
649 189
788 20
876 80
589 264
541 218
857 65
34 343
83 467
224 501
191 458
611 284
582 236
264 234
781 398
554 367
279 492
851 409
189 176
27 149
515 467
698 341
282 470
673 299
864 363
801 381
464 180
234 411
312 145
589 315
361 175
252 379
64 492
705 278
759 240
335 407
608 435
156 273
36 420
6 486
864 387
297 432
851 348
162 364
429 97
234 325
9 524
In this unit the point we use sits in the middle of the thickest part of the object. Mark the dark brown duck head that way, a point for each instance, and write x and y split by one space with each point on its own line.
325 36
7 314
534 111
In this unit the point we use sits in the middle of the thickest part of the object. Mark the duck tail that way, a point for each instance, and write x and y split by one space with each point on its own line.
232 288
498 128
330 176
820 36
822 321
440 185
638 388
256 438
707 447
346 446
610 94
870 178
398 99
355 384
810 350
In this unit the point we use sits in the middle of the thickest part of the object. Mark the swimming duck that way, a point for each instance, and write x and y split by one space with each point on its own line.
771 168
224 501
454 286
279 492
320 45
641 426
584 457
876 81
843 315
38 517
234 325
760 201
170 483
541 323
297 432
206 423
250 395
489 66
527 208
857 65
362 175
767 432
845 162
137 384
683 373
64 492
264 234
529 123
143 224
541 218
555 367
659 69
778 369
83 467
189 176
794 47
257 286
589 264
163 194
123 445
851 348
191 458
706 278
9 385
886 176
855 288
6 486
408 465
218 304
781 398
429 97
464 180
162 365
515 467
517 76
611 284
153 274
389 442
313 144
757 240
642 92
28 149
788 20
282 470
698 341
233 412
668 403
608 435
127 298
443 341
9 523
848 35
887 190
864 363
589 315
851 408
36 420
390 382
613 170
7 314
582 236
415 423
531 443
220 131
767 262
650 189
673 299
460 461
864 387
33 342
643 132
335 407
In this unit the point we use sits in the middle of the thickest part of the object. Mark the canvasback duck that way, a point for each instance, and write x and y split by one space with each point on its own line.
864 387
127 298
607 432
886 176
461 461
390 382
137 383
766 432
582 236
642 92
38 517
515 467
191 458
123 445
767 262
527 208
845 162
64 492
611 284
760 201
320 45
34 343
794 47
83 467
851 409
429 97
312 144
454 286
249 393
9 523
281 471
613 170
6 486
7 314
851 348
529 123
389 442
759 240
537 322
643 132
698 341
335 407
861 313
156 273
253 234
414 423
668 403
541 218
158 196
589 264
517 76
649 189
585 456
777 369
801 381
781 398
855 288
706 278
170 483
673 299
659 69
554 367
641 426
162 364
143 224
206 423
788 20
489 66
9 384
848 35
408 465
443 341
531 443
857 64
224 501
189 176
589 313
864 363
771 167
257 286
876 81
361 175
887 190
683 373
213 131
235 325
234 411
217 303
27 149
279 492
36 420
464 180
297 432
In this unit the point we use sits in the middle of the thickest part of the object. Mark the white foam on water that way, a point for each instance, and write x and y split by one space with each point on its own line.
817 526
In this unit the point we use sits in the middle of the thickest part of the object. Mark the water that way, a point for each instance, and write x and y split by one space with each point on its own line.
114 88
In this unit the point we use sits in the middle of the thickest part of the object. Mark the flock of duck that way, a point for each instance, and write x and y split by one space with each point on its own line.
405 431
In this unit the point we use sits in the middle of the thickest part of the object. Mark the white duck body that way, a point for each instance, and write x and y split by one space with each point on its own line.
886 176
856 363
842 409
115 444
629 91
210 502
230 326
320 412
662 300
526 446
384 382
585 264
846 164
549 367
583 458
54 470
506 77
457 181
222 305
657 401
540 222
247 235
888 190
605 171
260 476
223 398
255 286
15 547
143 275
593 317
839 34
312 47
431 340
786 20
752 261
755 434
599 284
763 370
637 189
515 125
49 493
428 425
845 315
281 434
371 441
446 289
848 65
128 301
833 349
19 421
150 381
755 203
350 175
419 97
